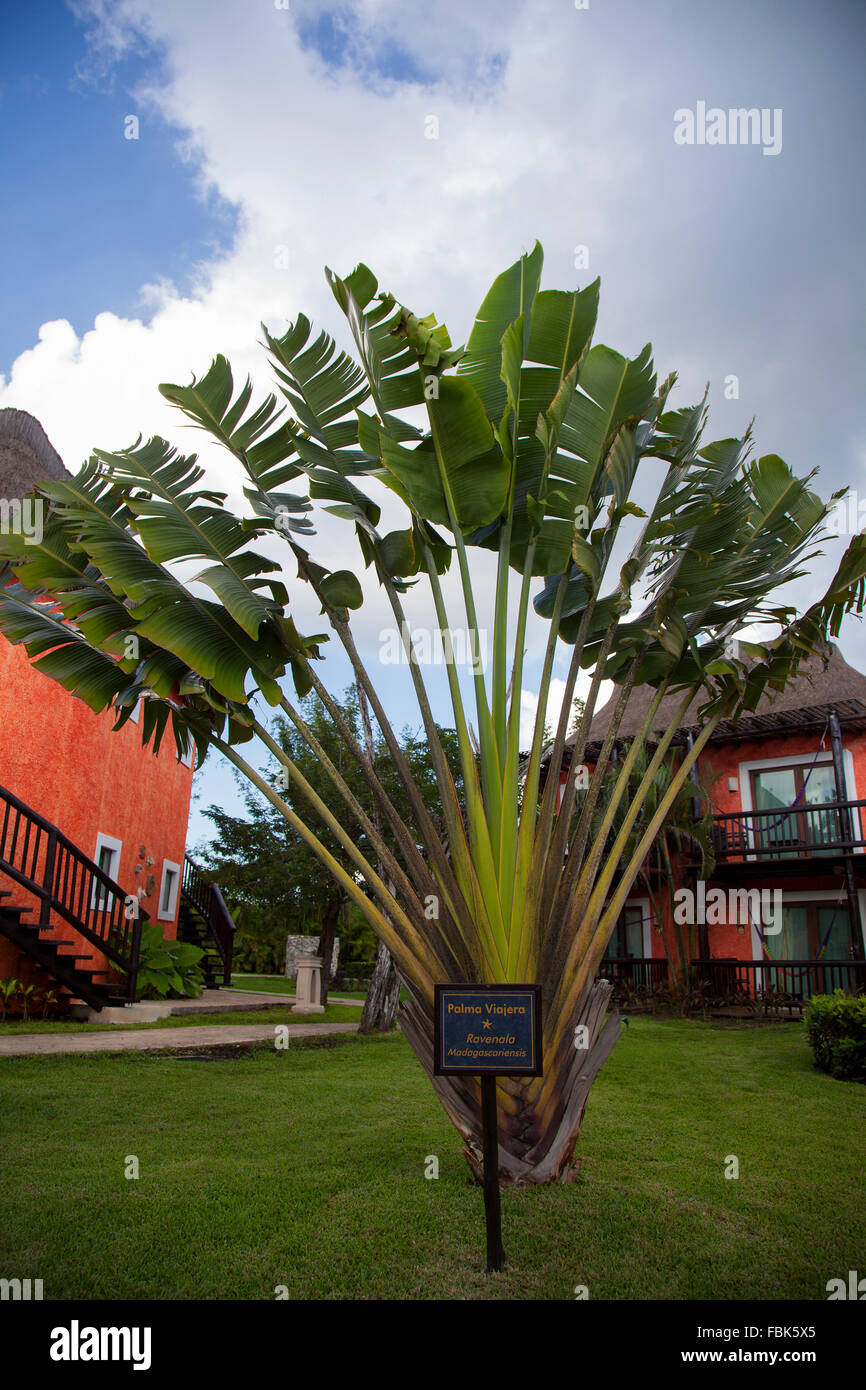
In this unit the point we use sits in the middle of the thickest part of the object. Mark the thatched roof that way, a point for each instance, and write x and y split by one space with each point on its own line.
807 701
27 456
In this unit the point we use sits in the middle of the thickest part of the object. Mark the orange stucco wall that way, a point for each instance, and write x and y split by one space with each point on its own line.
722 761
66 763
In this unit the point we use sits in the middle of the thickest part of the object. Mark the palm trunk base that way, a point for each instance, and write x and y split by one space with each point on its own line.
383 995
539 1117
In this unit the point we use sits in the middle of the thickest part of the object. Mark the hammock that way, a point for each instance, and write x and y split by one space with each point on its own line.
744 825
820 950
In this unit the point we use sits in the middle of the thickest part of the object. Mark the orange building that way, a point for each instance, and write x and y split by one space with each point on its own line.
92 824
781 914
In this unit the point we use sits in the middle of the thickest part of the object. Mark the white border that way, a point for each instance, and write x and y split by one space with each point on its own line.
761 764
816 895
116 846
646 922
169 914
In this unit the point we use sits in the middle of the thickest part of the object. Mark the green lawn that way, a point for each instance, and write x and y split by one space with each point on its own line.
271 984
280 1013
305 1168
278 984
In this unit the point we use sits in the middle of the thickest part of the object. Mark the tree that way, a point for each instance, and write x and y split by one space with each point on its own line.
263 864
533 442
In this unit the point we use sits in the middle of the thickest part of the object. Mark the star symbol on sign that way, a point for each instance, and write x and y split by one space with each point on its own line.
487 1023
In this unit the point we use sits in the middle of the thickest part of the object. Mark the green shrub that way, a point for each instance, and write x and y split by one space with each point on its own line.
168 969
836 1030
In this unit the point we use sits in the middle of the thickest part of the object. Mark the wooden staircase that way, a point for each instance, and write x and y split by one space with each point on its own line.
205 921
50 877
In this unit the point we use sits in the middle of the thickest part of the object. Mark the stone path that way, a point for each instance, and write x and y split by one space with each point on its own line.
151 1039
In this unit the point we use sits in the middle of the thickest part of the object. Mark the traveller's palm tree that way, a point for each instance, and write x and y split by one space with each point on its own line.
531 445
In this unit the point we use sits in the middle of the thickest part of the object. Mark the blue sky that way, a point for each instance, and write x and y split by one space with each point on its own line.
94 216
302 129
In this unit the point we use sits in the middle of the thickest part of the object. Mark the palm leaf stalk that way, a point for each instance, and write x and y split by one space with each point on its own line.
146 587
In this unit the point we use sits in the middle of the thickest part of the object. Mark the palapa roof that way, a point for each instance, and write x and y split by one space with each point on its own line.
807 701
27 456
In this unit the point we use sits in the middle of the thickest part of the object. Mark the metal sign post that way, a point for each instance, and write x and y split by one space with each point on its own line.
488 1031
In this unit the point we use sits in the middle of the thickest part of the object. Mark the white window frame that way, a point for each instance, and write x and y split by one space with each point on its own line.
810 895
646 923
109 842
168 915
801 759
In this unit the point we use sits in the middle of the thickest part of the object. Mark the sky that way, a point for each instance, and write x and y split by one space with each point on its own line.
176 172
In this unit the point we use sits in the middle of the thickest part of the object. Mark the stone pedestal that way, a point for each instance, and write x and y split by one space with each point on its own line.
308 990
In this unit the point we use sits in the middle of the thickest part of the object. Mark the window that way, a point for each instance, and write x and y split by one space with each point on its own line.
817 931
629 951
168 891
627 939
631 935
809 789
788 801
107 857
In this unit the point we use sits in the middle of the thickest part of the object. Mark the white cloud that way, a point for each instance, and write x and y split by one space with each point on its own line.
529 704
548 127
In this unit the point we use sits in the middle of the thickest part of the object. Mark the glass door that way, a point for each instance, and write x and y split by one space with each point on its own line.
821 826
807 791
774 790
627 942
806 929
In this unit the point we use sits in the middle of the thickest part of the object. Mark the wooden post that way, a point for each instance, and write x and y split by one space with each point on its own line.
847 834
492 1207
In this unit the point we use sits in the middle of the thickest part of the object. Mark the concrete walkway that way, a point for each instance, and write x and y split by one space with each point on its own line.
152 1039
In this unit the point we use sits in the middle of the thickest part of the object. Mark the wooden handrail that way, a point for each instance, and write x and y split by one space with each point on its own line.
44 861
757 834
209 901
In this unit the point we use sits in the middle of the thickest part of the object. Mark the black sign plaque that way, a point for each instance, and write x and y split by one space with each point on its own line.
487 1030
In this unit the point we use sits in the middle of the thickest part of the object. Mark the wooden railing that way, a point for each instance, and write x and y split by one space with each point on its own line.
779 982
761 985
209 901
835 827
37 856
634 972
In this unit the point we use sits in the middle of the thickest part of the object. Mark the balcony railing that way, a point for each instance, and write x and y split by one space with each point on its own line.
837 827
633 972
759 986
779 984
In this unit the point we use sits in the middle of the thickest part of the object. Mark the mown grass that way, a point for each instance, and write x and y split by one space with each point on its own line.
279 1013
271 984
305 1168
279 984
